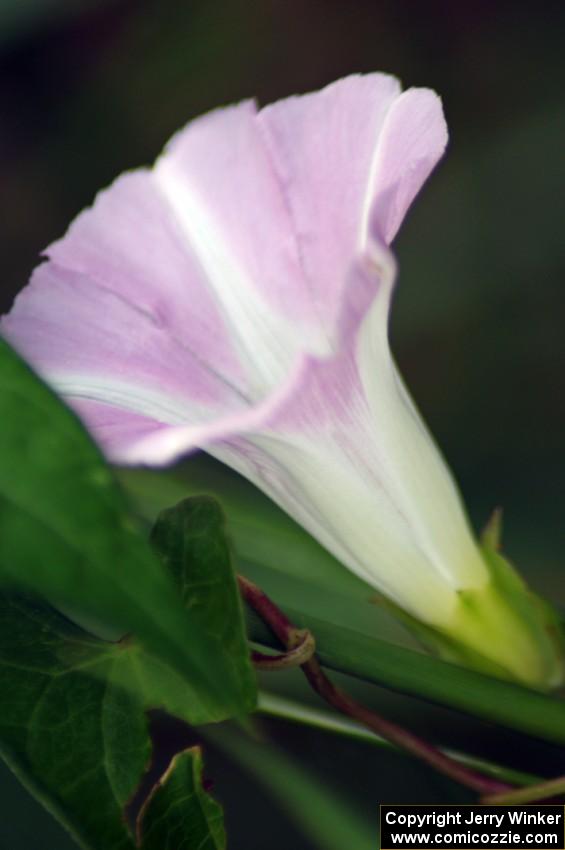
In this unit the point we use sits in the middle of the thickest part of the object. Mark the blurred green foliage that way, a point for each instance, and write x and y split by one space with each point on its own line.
88 89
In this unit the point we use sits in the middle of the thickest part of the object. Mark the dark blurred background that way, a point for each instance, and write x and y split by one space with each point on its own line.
88 89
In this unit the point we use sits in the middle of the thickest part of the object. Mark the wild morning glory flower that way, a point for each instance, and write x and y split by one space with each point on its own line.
235 298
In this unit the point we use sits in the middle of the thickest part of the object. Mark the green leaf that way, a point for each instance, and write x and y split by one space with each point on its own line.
179 814
191 540
65 532
73 725
353 634
75 738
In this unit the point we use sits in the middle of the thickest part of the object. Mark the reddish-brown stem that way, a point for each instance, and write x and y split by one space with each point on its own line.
291 637
396 734
296 657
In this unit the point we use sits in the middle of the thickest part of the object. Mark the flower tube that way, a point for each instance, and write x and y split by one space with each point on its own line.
235 298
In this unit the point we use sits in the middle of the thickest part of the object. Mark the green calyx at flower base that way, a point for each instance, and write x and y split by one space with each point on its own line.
235 298
502 629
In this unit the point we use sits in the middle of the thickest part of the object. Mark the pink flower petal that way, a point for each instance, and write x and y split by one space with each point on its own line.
413 138
324 147
129 244
236 297
342 449
114 427
189 293
222 300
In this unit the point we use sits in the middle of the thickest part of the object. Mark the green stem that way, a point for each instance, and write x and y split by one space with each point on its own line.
543 791
285 709
329 820
425 677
